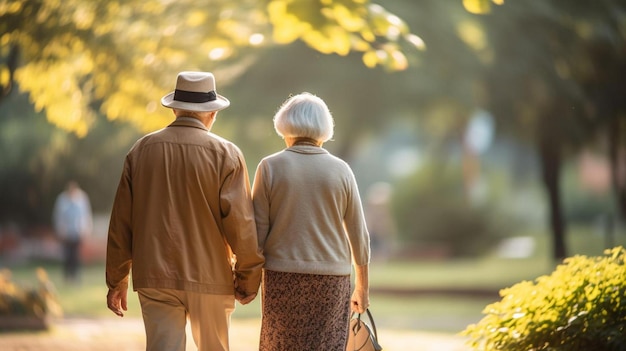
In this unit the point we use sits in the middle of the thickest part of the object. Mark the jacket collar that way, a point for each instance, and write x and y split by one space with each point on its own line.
188 122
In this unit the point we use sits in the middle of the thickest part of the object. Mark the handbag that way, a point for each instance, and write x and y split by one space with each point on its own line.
360 336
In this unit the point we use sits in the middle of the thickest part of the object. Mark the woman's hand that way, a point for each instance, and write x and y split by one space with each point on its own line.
360 300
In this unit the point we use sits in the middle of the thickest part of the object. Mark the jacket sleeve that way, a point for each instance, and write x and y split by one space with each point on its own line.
239 226
119 241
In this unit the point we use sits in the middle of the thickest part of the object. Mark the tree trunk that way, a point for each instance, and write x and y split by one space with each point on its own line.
618 173
550 156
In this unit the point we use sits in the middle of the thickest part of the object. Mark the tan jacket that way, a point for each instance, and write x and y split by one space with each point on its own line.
182 212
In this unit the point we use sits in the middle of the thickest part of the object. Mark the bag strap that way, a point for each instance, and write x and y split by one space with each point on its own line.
374 340
369 316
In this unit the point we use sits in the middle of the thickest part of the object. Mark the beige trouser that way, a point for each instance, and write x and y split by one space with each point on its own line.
165 313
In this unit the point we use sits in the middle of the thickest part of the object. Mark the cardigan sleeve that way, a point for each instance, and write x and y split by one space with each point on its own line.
260 199
355 225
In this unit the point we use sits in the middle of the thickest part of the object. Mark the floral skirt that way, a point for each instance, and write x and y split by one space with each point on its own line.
304 312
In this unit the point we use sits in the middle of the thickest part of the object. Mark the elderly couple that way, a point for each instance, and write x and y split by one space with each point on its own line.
198 237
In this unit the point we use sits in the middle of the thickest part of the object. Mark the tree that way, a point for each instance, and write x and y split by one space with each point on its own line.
541 82
38 159
82 63
79 58
602 82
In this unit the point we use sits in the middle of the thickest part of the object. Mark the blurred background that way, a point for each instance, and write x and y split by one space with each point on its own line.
488 138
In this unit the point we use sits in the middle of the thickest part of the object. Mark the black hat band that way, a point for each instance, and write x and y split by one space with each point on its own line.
195 97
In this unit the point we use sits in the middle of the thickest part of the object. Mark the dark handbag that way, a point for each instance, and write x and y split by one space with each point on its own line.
360 336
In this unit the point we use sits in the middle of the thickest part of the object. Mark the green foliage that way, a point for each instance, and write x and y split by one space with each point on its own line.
38 159
79 58
587 208
581 202
434 209
580 306
342 26
480 6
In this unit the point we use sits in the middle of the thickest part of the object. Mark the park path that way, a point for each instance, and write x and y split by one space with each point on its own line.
114 334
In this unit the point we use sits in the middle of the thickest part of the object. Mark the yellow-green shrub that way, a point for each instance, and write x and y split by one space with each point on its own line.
579 306
20 301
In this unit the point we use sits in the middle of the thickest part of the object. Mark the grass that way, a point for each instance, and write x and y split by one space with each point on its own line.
432 312
491 274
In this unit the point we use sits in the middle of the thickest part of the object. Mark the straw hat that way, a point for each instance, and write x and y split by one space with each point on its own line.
195 91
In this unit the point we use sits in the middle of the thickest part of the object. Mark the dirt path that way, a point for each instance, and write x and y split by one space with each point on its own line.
128 335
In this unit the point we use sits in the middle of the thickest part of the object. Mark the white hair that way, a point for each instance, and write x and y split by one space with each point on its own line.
304 115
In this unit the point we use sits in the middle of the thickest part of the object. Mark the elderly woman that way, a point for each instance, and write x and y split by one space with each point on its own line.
311 229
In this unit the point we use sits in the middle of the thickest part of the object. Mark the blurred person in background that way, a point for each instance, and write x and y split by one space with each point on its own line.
73 221
183 219
311 229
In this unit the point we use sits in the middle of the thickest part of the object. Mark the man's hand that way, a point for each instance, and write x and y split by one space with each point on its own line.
117 302
243 298
240 294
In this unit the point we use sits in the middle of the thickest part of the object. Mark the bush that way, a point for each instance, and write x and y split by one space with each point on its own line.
432 210
17 301
580 306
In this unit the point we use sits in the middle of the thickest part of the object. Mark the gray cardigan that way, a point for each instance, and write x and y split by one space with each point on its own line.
308 213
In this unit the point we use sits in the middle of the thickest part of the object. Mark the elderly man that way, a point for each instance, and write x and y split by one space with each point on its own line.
183 220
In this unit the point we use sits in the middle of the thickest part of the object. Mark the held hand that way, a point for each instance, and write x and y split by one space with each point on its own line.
117 302
240 294
243 298
360 301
